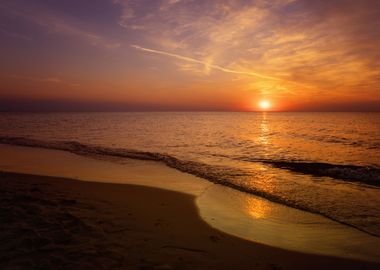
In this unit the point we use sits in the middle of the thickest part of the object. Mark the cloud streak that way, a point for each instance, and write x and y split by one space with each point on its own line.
53 23
208 65
53 80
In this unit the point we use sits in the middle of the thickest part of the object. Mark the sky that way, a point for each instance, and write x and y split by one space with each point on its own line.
299 55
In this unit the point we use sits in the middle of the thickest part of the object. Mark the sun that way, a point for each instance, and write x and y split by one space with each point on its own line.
264 104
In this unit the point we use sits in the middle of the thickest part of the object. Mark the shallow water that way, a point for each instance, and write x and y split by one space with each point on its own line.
326 163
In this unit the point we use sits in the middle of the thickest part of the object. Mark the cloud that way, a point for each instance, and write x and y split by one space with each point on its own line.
54 80
287 49
53 23
328 46
15 35
206 64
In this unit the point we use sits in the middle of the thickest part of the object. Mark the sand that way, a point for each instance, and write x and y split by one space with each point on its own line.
57 223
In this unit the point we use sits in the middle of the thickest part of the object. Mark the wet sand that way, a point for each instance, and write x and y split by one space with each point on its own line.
57 223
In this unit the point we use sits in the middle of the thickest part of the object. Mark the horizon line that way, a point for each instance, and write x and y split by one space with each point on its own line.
183 111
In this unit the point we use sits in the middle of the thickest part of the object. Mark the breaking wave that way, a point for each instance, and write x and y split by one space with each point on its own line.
352 173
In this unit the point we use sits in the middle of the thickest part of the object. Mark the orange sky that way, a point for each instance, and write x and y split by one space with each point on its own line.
187 54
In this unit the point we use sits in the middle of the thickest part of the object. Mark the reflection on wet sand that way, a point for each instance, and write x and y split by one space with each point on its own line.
256 208
262 221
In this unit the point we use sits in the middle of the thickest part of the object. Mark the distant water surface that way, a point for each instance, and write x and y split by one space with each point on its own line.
326 163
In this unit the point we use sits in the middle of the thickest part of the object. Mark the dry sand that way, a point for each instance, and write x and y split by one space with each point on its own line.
57 223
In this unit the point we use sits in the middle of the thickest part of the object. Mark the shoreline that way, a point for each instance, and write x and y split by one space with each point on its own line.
50 220
235 213
104 153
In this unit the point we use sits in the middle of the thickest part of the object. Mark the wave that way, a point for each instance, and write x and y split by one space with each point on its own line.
352 173
339 140
217 174
213 173
367 175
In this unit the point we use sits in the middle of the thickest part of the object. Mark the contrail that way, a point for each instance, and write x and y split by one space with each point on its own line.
193 60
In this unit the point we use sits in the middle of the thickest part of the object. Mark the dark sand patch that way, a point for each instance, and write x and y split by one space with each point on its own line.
55 223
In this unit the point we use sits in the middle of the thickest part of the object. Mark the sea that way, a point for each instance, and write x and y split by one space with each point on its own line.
323 163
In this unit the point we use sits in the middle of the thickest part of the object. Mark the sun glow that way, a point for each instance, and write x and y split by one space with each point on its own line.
264 104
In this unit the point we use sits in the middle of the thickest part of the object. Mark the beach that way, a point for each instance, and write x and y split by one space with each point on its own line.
116 191
174 134
51 222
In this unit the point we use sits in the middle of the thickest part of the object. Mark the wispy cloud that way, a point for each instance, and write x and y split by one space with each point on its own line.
208 65
219 68
53 23
306 44
57 25
54 80
15 35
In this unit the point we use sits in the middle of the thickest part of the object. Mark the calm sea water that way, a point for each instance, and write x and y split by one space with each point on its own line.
325 163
